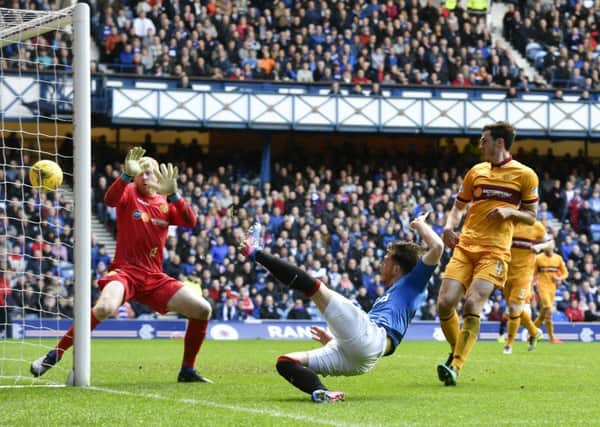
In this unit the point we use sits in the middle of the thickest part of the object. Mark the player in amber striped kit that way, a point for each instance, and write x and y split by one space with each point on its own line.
527 240
550 270
497 193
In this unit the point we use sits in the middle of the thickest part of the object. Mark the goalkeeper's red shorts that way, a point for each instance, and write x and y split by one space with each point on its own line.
153 289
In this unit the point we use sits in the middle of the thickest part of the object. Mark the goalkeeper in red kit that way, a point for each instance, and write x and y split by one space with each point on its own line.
147 202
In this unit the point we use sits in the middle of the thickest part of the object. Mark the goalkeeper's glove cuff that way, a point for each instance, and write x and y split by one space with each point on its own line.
126 177
172 198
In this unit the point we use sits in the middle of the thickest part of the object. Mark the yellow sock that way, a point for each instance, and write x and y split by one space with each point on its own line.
550 329
450 329
528 323
513 327
466 339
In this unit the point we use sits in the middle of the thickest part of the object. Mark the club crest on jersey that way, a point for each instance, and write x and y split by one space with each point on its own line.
164 208
137 214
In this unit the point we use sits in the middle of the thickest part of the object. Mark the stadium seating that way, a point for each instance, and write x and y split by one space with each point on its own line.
558 39
389 42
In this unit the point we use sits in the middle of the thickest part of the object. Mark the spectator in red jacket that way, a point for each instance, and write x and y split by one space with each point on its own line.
574 313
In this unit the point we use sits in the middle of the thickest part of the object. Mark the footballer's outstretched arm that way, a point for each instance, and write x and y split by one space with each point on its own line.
435 245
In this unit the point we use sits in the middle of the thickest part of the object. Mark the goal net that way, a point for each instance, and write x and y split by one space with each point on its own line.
44 237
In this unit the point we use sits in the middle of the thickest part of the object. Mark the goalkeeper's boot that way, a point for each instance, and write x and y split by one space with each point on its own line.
190 375
534 340
447 374
326 396
252 241
41 365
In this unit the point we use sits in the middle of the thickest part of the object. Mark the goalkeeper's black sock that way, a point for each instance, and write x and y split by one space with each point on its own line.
299 376
288 274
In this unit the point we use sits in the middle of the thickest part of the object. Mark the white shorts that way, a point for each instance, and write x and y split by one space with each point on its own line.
358 344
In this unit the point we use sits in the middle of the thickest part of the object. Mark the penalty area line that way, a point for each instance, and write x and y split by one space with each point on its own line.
237 408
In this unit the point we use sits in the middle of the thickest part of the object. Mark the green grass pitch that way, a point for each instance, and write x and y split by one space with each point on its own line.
134 384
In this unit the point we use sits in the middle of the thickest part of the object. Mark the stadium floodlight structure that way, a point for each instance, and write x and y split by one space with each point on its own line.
45 113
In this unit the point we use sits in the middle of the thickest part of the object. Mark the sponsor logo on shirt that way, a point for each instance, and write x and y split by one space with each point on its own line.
521 243
491 193
548 269
494 192
159 222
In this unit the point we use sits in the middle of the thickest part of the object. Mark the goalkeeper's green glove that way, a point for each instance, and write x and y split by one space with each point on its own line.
132 167
166 179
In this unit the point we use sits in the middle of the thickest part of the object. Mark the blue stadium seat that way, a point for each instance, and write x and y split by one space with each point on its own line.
559 316
595 230
532 49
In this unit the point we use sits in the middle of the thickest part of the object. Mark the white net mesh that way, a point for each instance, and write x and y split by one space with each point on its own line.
36 229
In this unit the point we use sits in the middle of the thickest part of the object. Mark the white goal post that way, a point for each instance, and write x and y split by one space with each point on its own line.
36 83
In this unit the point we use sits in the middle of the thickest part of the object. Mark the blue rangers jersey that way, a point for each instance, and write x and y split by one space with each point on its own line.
394 310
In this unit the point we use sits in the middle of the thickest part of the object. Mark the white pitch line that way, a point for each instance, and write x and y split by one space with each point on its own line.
30 386
276 414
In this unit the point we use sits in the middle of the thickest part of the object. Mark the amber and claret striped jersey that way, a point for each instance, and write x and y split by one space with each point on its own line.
522 258
547 267
487 186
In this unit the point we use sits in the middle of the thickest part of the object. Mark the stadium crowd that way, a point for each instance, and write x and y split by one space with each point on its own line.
360 42
333 216
336 219
561 38
353 42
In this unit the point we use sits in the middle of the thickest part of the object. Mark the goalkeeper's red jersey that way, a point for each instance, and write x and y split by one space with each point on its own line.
142 225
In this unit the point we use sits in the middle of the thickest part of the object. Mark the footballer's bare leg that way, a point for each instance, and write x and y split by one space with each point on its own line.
198 312
109 301
190 304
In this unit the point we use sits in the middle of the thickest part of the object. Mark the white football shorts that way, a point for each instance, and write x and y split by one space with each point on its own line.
358 345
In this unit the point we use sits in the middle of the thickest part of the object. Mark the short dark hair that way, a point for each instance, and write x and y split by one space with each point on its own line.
502 130
405 254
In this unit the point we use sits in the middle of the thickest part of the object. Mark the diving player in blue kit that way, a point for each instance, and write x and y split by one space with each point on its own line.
357 339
